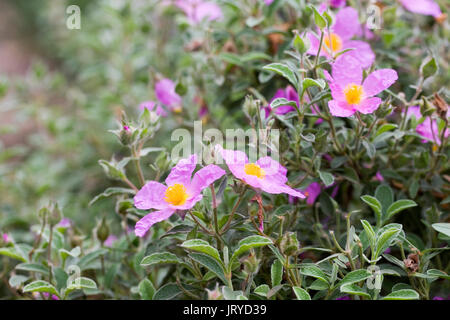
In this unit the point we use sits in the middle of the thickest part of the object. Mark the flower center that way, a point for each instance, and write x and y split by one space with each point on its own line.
176 195
333 42
254 170
353 93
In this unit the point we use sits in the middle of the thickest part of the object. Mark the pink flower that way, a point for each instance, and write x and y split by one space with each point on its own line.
428 128
346 26
165 92
197 10
151 105
6 238
378 176
36 295
180 192
337 3
265 174
288 93
110 240
350 93
268 1
65 223
312 192
426 7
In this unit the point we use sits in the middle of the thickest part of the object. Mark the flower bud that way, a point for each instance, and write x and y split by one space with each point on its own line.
251 263
102 230
55 214
215 294
289 244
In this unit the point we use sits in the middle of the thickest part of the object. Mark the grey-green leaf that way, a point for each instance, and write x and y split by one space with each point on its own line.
301 293
404 294
160 258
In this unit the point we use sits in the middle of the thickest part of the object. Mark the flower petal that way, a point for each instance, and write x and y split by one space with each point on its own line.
204 177
362 52
235 161
347 23
347 69
369 105
426 7
150 219
151 196
182 172
165 92
378 81
340 108
273 169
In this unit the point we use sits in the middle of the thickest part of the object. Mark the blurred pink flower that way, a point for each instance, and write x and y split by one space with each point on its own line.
426 7
181 192
350 94
197 10
265 174
346 26
6 238
337 3
312 192
150 105
290 94
65 223
165 92
110 240
428 128
268 1
378 176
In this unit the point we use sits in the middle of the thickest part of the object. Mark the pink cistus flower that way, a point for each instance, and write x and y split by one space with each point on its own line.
426 7
165 92
350 94
65 223
346 26
179 194
289 93
428 128
265 174
153 106
110 240
268 2
337 3
6 238
198 10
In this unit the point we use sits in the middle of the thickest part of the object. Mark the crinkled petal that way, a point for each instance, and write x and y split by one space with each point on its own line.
150 219
426 7
182 172
165 92
275 188
204 177
369 105
151 196
362 52
347 69
273 169
312 192
235 161
347 23
378 81
314 45
340 108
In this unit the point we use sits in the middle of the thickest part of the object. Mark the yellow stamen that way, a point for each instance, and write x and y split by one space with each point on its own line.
353 93
333 42
254 170
176 195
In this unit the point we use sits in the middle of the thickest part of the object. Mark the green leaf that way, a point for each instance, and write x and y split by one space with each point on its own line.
355 276
33 267
202 246
40 286
111 192
404 294
374 204
146 289
278 102
276 272
160 258
302 45
210 264
248 243
318 19
385 196
12 253
301 293
283 70
438 273
167 292
429 67
319 285
314 272
86 262
384 241
16 280
308 82
385 128
351 288
442 228
398 206
81 283
326 177
262 290
370 233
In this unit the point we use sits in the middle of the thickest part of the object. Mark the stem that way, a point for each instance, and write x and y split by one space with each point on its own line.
200 225
216 223
137 163
233 211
